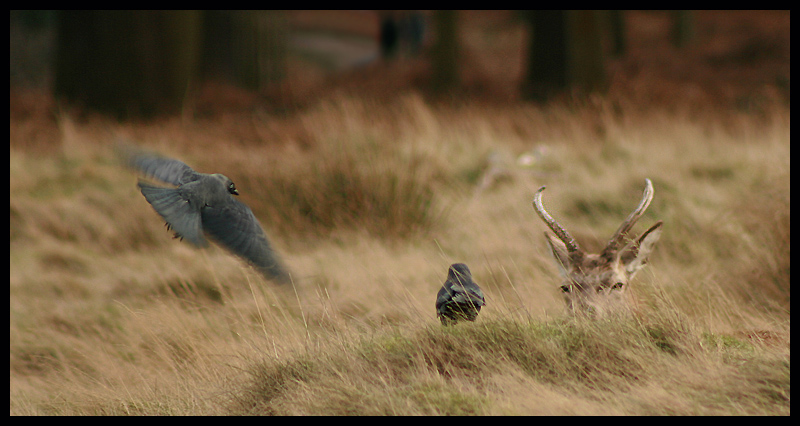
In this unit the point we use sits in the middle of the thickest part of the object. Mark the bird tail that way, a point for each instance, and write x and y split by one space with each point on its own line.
180 216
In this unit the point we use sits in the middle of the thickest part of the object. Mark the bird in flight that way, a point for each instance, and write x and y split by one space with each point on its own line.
200 204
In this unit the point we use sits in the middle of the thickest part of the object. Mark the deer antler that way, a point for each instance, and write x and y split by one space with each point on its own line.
561 233
614 242
597 283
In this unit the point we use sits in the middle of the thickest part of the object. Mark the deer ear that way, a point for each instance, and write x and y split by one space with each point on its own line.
560 253
634 256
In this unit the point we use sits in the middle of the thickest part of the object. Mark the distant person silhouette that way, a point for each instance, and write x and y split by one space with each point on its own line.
388 37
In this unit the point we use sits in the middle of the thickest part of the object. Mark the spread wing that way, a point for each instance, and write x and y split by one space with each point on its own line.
234 226
165 169
176 211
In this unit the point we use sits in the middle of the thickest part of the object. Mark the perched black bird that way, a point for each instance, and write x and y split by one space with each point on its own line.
204 204
460 297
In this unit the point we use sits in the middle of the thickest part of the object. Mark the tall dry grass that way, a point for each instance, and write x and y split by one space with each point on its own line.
370 203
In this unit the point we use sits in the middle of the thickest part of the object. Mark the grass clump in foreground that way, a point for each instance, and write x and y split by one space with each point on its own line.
480 368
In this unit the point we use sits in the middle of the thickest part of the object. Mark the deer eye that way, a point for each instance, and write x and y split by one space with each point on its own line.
617 286
565 288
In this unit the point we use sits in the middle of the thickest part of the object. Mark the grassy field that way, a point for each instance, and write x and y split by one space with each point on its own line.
370 191
370 202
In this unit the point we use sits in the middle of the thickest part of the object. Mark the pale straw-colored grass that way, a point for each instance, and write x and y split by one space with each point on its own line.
109 315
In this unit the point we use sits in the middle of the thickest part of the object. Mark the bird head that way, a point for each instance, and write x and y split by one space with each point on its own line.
458 270
229 185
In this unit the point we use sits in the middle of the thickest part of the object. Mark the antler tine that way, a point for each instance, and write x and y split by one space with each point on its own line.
613 243
561 233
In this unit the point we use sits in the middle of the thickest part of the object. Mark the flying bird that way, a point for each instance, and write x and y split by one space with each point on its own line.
202 204
460 297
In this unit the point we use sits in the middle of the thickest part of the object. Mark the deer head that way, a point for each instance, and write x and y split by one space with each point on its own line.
597 283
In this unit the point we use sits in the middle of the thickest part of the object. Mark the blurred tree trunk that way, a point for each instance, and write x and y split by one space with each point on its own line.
616 21
682 27
259 46
127 63
247 48
565 52
587 70
445 51
547 54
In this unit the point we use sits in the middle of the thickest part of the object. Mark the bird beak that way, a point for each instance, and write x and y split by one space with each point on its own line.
235 192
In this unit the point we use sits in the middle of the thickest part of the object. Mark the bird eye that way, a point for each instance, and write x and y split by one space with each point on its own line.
565 288
617 286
